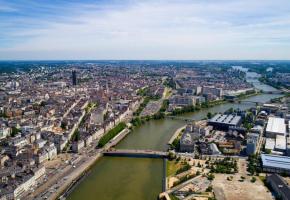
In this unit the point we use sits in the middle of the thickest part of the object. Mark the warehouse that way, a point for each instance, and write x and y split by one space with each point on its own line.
279 186
270 144
220 121
276 164
280 143
275 126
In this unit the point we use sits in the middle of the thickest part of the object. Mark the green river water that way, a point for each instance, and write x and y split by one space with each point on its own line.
141 178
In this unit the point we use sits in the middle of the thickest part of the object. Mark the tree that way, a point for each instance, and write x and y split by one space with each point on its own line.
14 131
209 189
209 115
253 180
210 177
198 164
268 151
171 155
77 136
43 103
63 125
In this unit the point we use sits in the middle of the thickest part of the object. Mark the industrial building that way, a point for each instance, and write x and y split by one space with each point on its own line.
280 144
279 186
270 144
252 143
275 163
220 121
275 126
288 147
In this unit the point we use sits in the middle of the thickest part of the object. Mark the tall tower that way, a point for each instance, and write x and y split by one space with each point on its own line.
107 87
74 77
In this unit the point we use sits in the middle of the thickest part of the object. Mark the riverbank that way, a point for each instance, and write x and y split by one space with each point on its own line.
63 177
180 128
176 134
161 114
127 178
77 175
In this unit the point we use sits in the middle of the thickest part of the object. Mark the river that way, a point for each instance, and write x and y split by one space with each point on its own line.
138 178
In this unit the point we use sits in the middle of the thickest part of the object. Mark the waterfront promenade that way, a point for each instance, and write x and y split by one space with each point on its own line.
175 135
60 184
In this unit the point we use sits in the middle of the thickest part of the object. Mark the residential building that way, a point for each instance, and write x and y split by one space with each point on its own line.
186 143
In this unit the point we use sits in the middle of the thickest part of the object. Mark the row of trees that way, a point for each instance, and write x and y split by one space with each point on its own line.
253 164
183 168
197 107
111 134
142 106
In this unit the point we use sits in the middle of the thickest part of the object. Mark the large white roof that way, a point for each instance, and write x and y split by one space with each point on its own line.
280 142
276 125
270 144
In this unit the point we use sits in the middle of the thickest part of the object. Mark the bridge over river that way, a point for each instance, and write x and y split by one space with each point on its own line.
136 153
251 102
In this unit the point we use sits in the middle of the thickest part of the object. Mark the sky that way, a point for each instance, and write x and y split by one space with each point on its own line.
145 29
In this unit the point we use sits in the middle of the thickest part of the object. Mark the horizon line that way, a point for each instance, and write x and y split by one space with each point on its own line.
186 60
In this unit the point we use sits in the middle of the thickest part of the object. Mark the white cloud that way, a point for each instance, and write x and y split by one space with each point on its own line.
210 29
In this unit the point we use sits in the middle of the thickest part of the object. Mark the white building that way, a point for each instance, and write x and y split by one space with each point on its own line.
270 144
212 90
275 126
4 132
51 151
280 143
41 156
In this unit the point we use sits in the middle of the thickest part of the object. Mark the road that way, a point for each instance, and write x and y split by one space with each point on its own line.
178 187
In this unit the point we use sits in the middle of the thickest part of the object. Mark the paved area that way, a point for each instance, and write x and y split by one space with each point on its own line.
238 189
151 108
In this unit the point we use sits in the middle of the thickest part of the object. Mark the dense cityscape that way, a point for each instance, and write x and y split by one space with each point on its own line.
144 100
58 119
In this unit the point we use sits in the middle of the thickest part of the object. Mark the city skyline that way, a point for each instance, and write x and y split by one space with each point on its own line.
150 30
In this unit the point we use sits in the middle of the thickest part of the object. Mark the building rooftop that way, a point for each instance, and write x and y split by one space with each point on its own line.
280 183
226 119
253 138
186 139
280 142
276 125
282 162
270 143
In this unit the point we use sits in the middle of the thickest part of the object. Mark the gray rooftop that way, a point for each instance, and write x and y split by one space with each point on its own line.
226 119
282 162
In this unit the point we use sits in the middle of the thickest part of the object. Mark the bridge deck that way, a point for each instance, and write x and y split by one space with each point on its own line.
179 118
136 153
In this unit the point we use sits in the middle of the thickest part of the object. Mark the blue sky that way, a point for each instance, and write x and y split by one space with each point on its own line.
145 29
